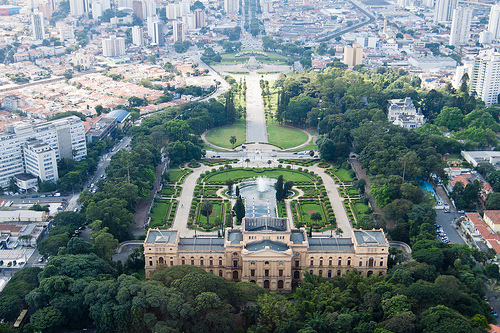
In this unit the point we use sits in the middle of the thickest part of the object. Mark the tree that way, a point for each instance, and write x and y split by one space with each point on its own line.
46 319
229 221
311 153
278 186
316 217
239 209
229 184
339 232
232 140
493 201
327 150
206 210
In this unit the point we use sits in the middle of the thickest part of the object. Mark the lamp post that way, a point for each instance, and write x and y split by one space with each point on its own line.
319 119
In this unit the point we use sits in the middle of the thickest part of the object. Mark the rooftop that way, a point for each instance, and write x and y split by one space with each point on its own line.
120 115
261 245
493 215
370 237
331 244
201 243
162 236
265 223
234 236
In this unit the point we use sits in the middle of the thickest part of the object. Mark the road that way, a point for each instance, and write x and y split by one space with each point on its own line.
260 152
255 116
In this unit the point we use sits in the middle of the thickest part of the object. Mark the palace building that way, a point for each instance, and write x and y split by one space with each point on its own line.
269 252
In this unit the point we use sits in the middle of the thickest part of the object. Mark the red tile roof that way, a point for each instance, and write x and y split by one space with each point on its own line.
493 215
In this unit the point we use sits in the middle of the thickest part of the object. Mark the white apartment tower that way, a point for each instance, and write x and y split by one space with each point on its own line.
184 8
66 32
200 18
40 160
179 34
65 137
37 26
485 80
113 46
460 26
494 22
443 10
353 55
137 34
78 7
231 6
155 31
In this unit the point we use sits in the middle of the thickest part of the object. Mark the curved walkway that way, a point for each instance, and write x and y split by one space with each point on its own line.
309 138
208 143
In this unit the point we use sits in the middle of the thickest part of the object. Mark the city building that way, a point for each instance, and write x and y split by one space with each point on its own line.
269 252
482 156
66 32
137 9
113 46
431 62
443 10
101 129
231 6
65 136
492 218
367 42
184 7
12 102
200 18
37 26
494 21
402 112
485 79
137 36
78 7
9 10
82 59
40 160
179 33
353 55
460 26
155 31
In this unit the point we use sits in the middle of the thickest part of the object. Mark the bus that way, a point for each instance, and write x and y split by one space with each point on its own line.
20 320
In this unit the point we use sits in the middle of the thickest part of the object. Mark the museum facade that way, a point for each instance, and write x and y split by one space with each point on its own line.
269 252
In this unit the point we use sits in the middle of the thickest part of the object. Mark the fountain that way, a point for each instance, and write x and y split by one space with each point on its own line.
260 197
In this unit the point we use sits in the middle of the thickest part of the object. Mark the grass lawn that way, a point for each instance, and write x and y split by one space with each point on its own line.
158 213
343 175
168 191
311 146
284 137
216 212
176 174
360 207
292 175
306 209
272 58
220 136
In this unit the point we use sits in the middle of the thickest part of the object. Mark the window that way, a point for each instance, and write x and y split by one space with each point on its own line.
320 272
381 263
201 262
266 272
370 262
220 261
340 262
252 263
330 262
280 284
360 263
235 263
297 263
280 272
312 262
296 275
349 262
220 273
311 272
192 261
171 262
321 261
150 263
252 272
329 273
338 272
211 271
266 263
183 261
280 263
211 262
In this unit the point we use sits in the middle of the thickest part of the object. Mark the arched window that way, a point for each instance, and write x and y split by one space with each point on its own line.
311 272
339 273
201 261
266 284
183 261
312 261
211 271
192 261
220 272
280 284
370 262
349 261
340 261
320 273
235 275
329 273
220 261
330 261
211 262
296 275
369 273
321 261
266 263
160 260
253 281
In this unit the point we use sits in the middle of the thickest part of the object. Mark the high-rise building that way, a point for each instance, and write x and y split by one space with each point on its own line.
460 26
179 34
184 7
137 36
173 11
155 31
189 21
137 8
46 10
65 137
231 6
485 80
37 26
353 55
148 8
113 46
200 18
40 160
443 10
494 22
78 7
99 7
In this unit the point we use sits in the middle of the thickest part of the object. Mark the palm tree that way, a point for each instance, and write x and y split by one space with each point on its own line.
316 217
269 162
206 208
233 140
248 161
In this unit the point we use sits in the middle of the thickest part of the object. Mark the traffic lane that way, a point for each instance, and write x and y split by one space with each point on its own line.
446 221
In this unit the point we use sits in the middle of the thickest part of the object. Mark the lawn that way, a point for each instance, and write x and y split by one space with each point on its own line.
220 136
284 137
158 213
307 208
282 209
238 174
168 191
216 212
272 58
343 175
176 174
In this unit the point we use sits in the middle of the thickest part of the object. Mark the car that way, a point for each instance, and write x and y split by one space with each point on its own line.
243 146
41 259
461 212
35 196
447 211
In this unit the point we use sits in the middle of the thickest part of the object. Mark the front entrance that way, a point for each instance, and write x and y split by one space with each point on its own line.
235 275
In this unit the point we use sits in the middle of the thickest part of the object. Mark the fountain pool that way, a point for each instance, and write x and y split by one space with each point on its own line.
260 197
